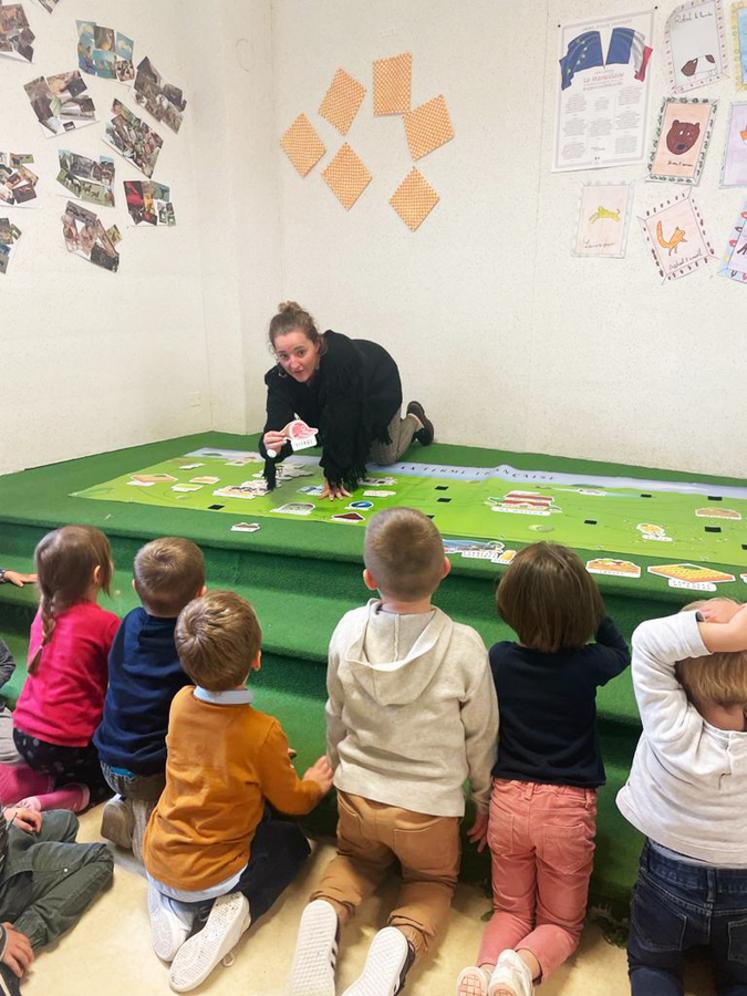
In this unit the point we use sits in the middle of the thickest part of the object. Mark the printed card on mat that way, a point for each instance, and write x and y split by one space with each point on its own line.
734 166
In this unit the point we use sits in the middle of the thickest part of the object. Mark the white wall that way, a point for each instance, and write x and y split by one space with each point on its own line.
91 360
508 339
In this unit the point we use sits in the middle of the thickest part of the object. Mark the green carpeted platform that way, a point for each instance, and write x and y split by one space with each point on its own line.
302 575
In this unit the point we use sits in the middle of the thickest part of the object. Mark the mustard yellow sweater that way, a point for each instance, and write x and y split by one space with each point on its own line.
223 762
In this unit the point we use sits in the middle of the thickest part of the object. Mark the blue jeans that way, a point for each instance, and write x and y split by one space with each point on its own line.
677 906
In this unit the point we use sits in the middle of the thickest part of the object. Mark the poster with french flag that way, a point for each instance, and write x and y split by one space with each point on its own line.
603 91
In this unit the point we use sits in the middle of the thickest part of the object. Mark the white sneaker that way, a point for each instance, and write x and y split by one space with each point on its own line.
511 977
388 959
472 981
169 928
197 957
313 969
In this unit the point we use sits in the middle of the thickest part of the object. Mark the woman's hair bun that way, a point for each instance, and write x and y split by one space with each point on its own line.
289 306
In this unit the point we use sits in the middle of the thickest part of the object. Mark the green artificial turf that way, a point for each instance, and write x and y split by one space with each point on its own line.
303 575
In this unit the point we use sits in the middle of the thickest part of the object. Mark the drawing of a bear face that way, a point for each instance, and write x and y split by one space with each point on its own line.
682 136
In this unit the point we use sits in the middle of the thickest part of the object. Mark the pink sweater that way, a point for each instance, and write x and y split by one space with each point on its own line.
62 703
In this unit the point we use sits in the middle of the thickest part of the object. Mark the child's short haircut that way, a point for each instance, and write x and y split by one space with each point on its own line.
168 573
716 679
404 552
217 638
549 599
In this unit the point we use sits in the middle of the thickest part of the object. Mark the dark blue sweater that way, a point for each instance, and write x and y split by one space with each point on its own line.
547 705
144 676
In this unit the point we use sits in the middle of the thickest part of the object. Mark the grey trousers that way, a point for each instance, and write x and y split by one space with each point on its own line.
50 880
401 431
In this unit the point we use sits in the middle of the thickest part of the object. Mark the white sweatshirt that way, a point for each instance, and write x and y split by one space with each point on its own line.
688 783
412 711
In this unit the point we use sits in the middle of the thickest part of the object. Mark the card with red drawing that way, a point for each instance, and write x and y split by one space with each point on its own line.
300 434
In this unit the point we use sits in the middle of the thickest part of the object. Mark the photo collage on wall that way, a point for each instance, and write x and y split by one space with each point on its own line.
62 103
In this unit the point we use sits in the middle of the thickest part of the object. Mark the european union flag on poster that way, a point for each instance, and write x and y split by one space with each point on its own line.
584 52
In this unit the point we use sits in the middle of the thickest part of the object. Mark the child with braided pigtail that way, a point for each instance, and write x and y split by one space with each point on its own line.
63 697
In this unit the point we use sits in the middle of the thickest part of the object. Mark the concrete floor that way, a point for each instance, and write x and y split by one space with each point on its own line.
109 952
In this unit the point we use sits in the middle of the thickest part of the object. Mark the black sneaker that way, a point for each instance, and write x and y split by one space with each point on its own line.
10 984
425 435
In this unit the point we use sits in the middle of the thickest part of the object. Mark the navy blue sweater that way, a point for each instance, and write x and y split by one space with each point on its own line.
547 704
144 676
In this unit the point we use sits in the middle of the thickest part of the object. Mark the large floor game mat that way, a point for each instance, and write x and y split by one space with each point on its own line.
698 528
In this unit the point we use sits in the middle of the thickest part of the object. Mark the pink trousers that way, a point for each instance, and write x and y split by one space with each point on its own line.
541 840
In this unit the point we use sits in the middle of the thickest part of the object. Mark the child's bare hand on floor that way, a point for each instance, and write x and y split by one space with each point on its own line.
321 773
18 953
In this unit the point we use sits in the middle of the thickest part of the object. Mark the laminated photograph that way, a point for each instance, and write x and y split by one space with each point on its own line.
149 203
105 52
85 236
16 37
89 180
161 99
17 181
9 236
133 139
61 103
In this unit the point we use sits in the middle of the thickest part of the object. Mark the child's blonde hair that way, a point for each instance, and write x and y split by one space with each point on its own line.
719 679
66 560
549 599
404 553
217 638
168 573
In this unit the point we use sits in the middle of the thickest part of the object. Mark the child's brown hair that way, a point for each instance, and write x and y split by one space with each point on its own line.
66 560
719 679
404 553
217 638
549 599
168 573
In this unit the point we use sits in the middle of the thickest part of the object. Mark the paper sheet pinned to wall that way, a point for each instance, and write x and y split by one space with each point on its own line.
302 145
695 45
428 127
414 199
347 176
676 236
342 101
392 84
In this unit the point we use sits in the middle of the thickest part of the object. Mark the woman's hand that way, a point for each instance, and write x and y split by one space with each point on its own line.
333 491
275 440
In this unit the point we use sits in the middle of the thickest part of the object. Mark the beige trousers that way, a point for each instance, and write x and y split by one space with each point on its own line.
371 837
401 431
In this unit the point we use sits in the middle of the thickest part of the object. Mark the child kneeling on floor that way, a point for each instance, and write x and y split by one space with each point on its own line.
686 792
47 880
411 715
543 806
217 858
145 674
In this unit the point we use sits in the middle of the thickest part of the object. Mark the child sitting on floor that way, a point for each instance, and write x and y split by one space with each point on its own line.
543 806
144 676
686 792
216 855
46 882
63 695
19 784
411 715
